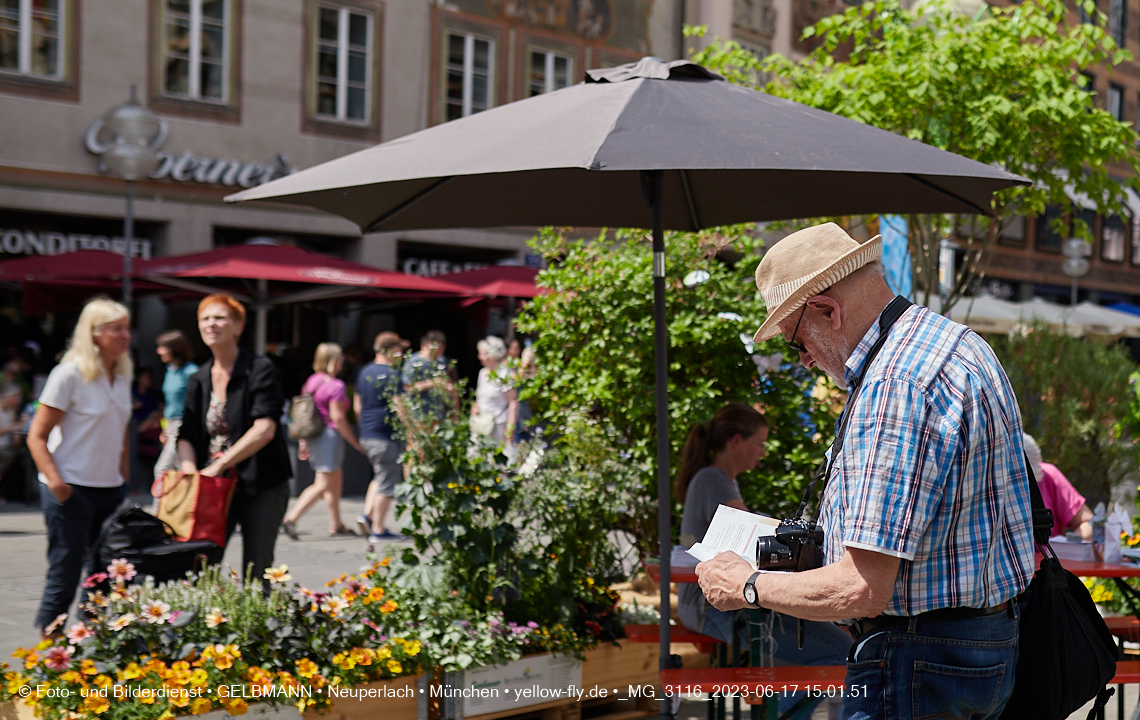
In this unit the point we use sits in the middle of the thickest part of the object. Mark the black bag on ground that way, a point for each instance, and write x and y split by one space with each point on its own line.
1066 654
148 543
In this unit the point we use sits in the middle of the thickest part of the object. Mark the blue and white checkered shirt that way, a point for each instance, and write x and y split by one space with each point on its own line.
931 470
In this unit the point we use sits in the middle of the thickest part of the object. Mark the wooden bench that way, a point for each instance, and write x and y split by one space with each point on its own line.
1125 627
651 634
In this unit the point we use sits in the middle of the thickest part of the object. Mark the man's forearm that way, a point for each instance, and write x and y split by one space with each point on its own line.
859 585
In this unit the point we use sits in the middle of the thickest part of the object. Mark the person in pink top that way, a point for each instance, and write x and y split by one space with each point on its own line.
325 452
1070 513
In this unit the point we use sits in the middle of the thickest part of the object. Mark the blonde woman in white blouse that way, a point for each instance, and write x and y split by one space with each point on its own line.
78 441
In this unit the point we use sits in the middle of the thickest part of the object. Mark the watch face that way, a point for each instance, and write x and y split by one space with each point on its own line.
750 594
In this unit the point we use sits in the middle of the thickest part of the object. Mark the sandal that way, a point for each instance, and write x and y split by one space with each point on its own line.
290 528
342 530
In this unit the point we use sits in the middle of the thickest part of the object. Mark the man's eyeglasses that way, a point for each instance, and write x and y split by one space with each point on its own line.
792 343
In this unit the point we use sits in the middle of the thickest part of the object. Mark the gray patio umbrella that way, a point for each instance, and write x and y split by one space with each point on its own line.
699 151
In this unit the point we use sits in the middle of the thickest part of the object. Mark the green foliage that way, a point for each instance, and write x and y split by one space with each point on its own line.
1001 87
1073 395
595 356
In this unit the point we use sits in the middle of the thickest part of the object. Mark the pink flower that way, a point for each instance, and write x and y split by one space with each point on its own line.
77 633
121 570
57 658
94 579
56 624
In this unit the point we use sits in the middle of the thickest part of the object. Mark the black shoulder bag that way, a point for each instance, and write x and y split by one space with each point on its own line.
1066 655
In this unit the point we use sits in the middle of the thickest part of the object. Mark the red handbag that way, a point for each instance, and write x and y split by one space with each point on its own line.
196 506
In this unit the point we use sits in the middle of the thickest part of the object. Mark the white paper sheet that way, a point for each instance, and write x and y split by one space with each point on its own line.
733 530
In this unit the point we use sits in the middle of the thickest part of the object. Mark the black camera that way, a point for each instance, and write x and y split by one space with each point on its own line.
797 546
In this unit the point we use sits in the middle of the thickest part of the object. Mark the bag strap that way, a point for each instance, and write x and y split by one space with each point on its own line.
888 317
1042 516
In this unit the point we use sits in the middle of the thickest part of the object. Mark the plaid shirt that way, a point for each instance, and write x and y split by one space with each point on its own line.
931 469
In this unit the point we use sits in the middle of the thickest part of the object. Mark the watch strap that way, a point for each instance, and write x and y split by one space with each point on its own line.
751 583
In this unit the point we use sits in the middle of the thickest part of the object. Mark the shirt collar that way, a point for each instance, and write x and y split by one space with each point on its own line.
858 357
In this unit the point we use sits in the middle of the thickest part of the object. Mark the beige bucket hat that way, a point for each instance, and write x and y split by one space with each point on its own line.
806 263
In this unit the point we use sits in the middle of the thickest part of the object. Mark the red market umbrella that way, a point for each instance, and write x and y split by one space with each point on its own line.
498 281
328 277
78 265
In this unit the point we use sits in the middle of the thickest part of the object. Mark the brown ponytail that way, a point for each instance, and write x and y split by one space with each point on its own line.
706 439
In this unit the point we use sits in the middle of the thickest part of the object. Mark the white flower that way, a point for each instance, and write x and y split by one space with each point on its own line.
215 618
156 612
278 574
121 570
123 621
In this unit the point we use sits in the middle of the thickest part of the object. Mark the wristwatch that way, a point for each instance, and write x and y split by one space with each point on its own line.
750 590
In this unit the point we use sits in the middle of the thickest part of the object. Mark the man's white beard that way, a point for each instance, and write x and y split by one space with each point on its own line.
829 356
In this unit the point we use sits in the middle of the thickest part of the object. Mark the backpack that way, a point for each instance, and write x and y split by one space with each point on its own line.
1066 655
135 535
305 421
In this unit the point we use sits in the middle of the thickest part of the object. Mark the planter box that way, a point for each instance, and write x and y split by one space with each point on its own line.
536 680
619 667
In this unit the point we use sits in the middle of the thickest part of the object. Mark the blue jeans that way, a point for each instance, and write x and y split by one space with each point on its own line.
72 529
824 644
960 669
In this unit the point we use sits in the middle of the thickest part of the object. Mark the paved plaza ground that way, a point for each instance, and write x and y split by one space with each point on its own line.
312 560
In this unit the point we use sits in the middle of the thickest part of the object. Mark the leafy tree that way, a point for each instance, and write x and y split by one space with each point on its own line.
595 351
1002 87
1074 395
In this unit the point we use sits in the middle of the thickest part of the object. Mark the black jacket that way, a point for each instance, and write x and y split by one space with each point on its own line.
253 393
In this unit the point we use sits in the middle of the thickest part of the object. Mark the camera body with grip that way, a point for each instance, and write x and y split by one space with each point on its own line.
796 546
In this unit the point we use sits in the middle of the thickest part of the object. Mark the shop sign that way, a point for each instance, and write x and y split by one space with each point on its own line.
27 242
189 167
430 268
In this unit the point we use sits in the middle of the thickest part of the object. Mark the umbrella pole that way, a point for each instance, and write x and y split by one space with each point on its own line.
651 189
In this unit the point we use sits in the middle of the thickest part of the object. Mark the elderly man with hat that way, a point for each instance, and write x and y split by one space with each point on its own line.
925 501
378 387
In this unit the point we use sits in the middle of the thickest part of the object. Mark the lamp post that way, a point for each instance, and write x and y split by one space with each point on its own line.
134 134
1075 264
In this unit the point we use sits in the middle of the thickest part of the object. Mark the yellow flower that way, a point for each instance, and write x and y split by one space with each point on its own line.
388 606
413 648
102 681
146 698
237 706
200 706
31 660
198 677
178 699
343 661
361 656
394 667
96 703
374 596
44 644
130 672
384 653
306 668
87 667
385 561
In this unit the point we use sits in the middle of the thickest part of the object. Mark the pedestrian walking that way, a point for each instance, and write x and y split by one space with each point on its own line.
379 387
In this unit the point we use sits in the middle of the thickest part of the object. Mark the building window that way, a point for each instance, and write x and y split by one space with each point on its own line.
344 63
1112 235
195 57
31 38
548 71
1086 18
1116 21
470 74
1047 238
1116 101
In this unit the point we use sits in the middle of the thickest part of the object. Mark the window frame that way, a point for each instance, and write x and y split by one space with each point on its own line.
1115 92
448 22
550 56
348 129
63 86
1126 236
228 110
531 40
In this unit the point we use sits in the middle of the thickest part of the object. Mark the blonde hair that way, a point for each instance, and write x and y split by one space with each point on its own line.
324 360
82 350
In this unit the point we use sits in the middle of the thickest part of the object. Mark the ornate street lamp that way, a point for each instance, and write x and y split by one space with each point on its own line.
133 133
1075 264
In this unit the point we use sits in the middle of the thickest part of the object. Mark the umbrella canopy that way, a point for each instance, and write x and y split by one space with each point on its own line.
574 157
1126 308
983 313
1100 320
497 281
1055 316
79 265
697 150
328 277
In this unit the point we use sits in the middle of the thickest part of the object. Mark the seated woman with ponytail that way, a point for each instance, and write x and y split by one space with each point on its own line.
715 452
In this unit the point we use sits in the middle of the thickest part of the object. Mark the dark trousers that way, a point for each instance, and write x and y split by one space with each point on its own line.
72 529
260 518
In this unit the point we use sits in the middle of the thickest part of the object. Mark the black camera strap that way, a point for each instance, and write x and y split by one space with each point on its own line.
888 317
